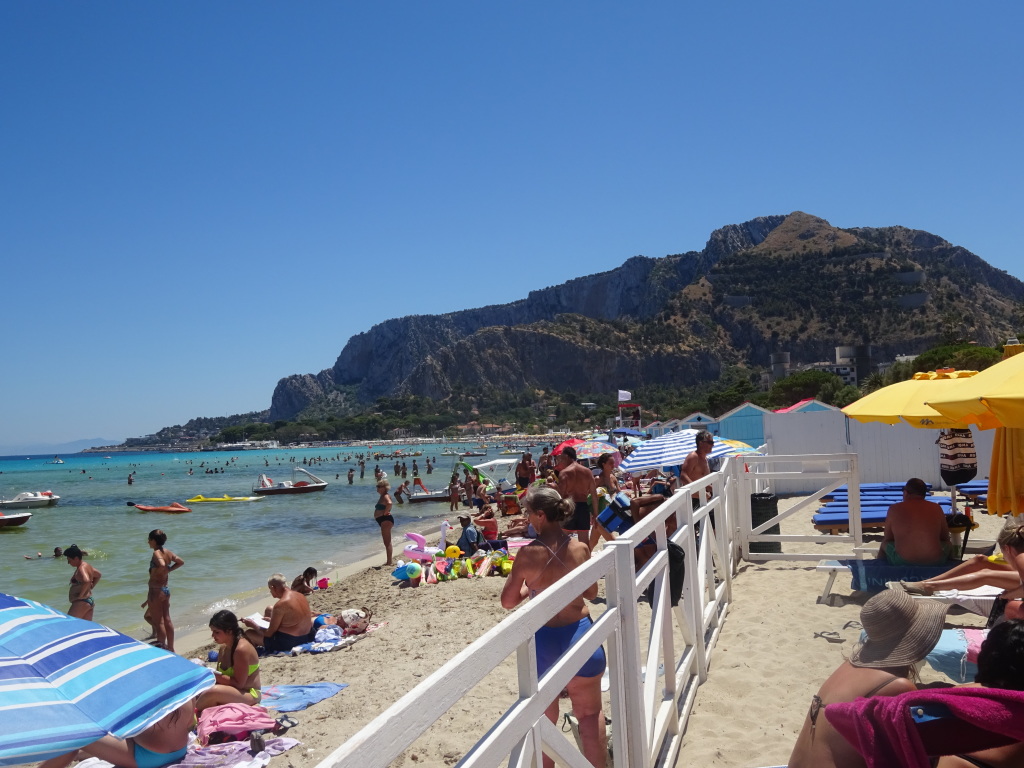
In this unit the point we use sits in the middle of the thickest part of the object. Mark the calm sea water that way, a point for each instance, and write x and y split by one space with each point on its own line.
229 549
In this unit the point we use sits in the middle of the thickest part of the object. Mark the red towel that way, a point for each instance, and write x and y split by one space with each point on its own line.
883 730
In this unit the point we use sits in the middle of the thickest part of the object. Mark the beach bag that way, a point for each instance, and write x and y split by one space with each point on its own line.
958 458
676 574
231 722
616 517
356 621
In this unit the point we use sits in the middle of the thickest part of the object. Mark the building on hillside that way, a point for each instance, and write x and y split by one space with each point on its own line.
744 422
698 420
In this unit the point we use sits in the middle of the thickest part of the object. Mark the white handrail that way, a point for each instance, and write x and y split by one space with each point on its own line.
649 715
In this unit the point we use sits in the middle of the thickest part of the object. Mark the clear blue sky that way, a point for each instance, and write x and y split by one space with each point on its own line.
197 199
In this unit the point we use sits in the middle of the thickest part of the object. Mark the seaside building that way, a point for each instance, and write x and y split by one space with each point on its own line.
744 422
698 420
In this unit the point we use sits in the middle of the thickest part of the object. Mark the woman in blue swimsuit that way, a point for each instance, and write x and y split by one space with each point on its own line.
163 743
382 514
537 566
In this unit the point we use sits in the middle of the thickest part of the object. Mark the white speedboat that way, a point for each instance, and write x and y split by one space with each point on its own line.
30 500
302 482
422 493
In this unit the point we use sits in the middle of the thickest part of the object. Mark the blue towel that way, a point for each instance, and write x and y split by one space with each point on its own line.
292 698
949 656
871 575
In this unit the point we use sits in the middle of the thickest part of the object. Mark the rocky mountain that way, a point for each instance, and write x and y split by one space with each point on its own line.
776 283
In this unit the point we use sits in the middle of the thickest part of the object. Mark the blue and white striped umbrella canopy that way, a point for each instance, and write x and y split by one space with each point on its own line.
66 682
672 448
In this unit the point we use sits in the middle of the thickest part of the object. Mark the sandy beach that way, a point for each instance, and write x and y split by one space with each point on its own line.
768 662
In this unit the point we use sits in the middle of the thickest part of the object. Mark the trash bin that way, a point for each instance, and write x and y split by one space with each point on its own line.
763 507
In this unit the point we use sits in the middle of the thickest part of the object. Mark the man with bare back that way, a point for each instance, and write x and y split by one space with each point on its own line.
577 483
290 622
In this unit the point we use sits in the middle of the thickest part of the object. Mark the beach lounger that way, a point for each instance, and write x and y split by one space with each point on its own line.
871 575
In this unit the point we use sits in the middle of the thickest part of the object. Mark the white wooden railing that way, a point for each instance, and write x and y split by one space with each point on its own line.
648 712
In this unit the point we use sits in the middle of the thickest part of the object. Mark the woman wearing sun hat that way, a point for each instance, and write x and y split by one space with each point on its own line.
900 632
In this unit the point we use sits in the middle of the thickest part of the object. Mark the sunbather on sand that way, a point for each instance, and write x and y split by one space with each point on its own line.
290 622
982 570
238 665
900 631
161 744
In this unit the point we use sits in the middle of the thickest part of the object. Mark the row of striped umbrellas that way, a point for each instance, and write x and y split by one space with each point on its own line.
671 449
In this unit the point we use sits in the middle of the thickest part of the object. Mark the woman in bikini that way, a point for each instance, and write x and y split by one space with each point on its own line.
538 565
900 631
82 583
238 665
382 514
161 564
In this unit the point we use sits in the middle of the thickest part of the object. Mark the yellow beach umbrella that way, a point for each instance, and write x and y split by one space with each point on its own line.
1006 476
993 398
904 401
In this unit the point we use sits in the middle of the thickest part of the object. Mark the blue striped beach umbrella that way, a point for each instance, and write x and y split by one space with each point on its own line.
672 448
66 682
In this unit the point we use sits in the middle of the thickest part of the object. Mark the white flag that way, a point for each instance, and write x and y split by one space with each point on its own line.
625 396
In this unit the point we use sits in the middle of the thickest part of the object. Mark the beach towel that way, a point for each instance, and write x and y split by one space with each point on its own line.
234 754
292 698
884 730
234 720
956 654
958 459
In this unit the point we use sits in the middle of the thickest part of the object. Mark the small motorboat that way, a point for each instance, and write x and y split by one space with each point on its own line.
172 509
18 518
422 493
222 499
30 500
265 486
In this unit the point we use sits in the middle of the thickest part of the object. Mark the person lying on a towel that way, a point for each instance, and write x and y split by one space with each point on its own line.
163 743
290 620
915 530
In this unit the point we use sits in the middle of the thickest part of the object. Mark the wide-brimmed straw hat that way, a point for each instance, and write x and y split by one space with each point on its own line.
900 630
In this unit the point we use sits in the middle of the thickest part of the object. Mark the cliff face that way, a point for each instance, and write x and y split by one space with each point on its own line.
395 354
776 283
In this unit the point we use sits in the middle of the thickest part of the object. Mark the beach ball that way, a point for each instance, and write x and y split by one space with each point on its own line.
412 570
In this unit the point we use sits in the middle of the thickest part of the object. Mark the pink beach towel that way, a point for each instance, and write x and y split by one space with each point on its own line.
883 729
974 638
233 719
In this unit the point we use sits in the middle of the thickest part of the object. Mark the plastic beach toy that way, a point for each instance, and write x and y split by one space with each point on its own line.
418 549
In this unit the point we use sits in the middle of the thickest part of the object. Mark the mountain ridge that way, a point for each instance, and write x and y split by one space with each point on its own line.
774 283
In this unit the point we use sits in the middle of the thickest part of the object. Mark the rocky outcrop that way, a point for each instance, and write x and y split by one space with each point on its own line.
294 393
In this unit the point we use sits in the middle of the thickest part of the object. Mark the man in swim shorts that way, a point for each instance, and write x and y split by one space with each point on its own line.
290 620
576 482
916 532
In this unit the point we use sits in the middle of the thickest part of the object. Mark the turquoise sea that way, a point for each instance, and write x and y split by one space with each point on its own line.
229 549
